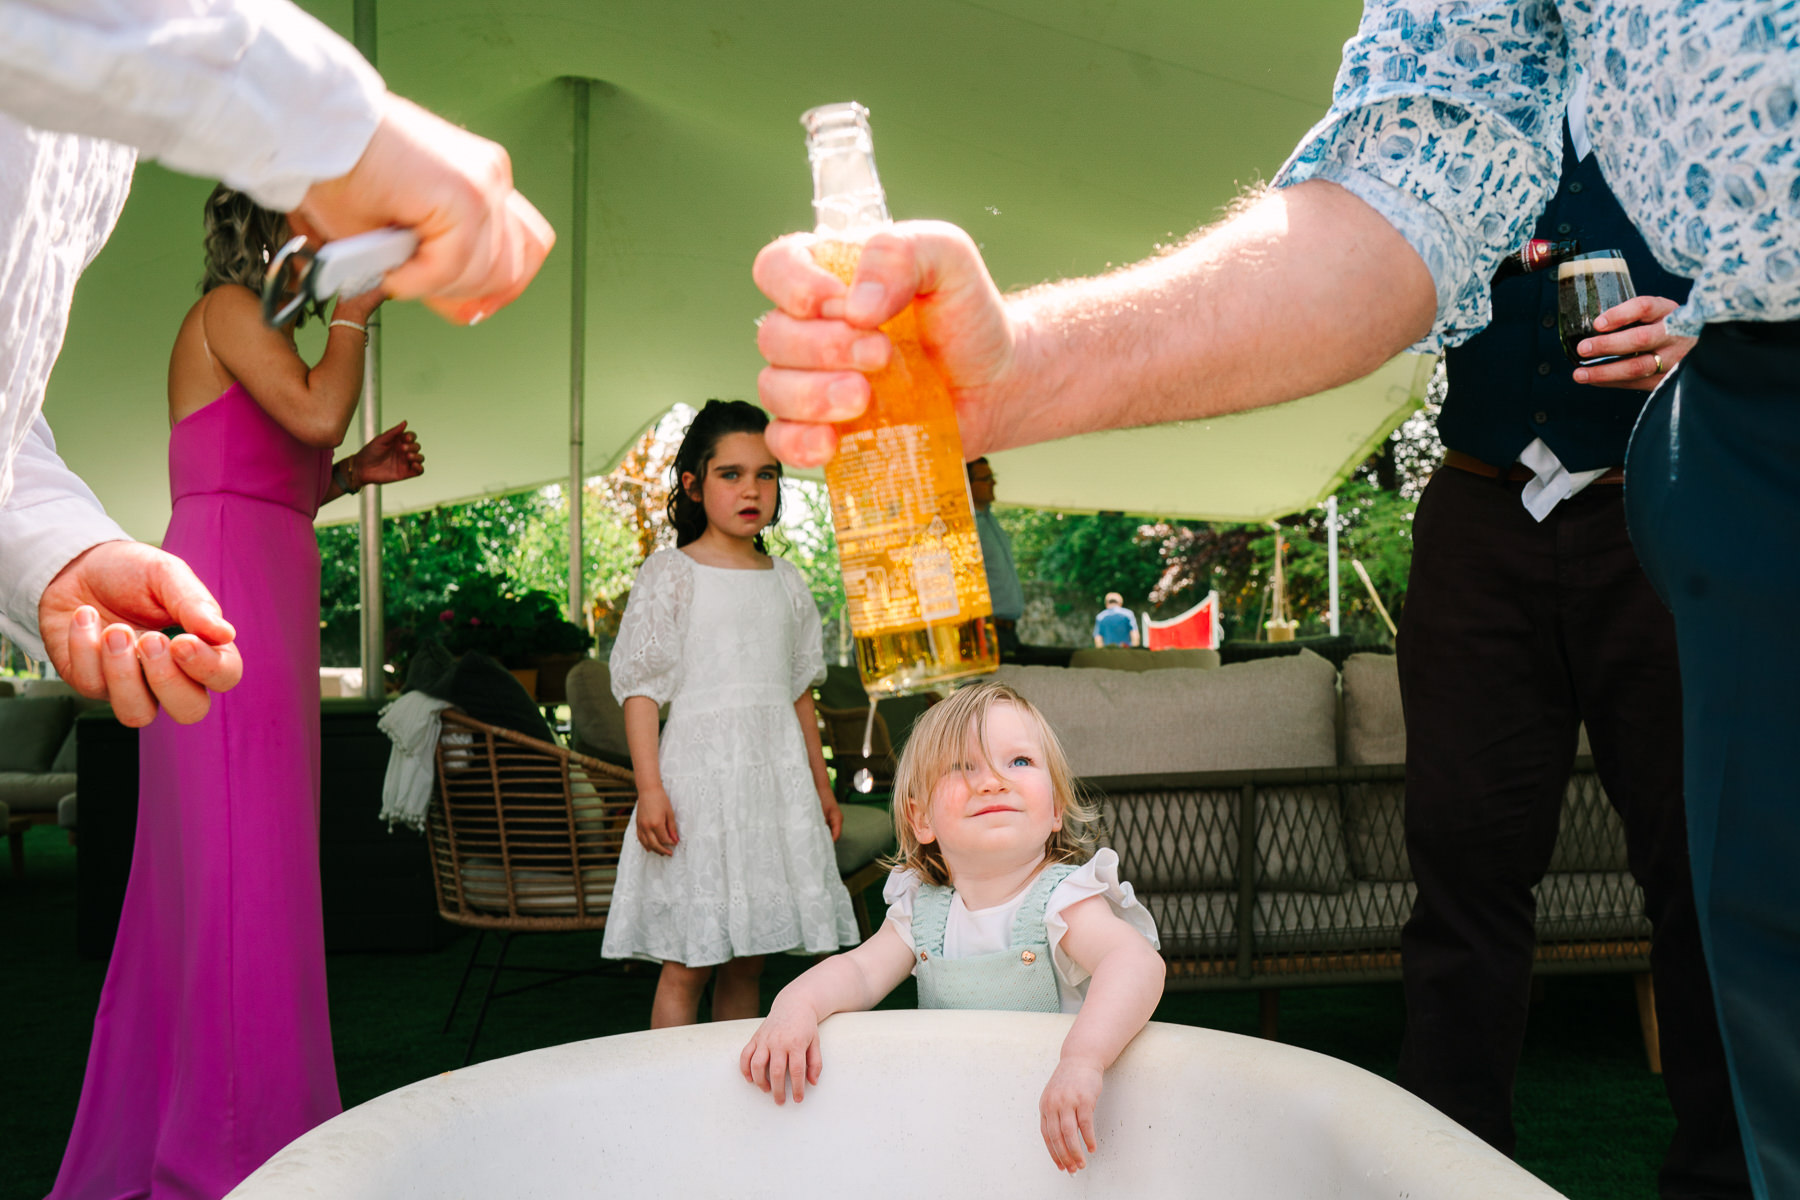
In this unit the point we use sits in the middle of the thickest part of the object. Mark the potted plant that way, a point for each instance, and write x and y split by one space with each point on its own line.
524 630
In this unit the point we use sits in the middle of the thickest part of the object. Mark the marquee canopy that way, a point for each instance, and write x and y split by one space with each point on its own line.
1065 135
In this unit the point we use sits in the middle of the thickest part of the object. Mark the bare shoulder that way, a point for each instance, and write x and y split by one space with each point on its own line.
230 308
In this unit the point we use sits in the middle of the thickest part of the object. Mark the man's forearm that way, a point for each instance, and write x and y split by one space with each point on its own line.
1307 289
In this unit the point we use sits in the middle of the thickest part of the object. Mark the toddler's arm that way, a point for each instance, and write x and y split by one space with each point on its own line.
656 830
785 1047
1126 985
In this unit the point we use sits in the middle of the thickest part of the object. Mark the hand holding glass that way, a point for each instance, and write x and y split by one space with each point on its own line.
1586 286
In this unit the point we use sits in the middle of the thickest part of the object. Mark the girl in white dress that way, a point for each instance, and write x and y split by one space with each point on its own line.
989 908
735 818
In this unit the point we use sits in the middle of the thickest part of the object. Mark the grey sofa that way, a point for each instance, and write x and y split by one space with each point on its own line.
37 756
1257 808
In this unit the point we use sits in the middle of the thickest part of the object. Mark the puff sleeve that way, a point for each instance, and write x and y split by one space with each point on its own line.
901 889
808 669
646 657
1099 876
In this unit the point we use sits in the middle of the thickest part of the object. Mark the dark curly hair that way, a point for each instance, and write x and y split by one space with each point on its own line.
717 419
241 239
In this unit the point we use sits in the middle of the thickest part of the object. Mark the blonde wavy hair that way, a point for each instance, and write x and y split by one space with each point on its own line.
955 731
241 239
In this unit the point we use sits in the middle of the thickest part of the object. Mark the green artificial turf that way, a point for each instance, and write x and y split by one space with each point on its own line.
1592 1119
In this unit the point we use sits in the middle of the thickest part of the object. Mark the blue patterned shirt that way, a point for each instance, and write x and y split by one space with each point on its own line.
1446 118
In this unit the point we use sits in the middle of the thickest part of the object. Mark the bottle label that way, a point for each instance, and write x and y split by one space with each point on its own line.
934 574
904 565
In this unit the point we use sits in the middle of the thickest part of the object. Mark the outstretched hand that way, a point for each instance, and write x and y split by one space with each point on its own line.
480 241
389 457
783 1052
91 617
1066 1114
824 339
1640 335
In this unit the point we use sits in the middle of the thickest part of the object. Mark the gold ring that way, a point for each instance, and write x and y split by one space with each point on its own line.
1659 364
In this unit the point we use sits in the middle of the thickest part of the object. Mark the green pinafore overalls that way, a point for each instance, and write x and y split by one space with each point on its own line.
1020 978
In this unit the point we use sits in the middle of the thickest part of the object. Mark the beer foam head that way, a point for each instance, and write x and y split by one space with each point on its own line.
1591 266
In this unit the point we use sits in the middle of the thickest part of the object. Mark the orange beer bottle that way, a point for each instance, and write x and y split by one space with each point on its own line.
907 545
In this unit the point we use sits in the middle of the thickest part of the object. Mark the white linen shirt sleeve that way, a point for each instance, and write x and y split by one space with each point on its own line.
1450 127
254 92
50 518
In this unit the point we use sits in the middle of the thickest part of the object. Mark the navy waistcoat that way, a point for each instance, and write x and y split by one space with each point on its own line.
1511 383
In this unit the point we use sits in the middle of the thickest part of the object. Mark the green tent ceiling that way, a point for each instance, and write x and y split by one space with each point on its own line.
1066 135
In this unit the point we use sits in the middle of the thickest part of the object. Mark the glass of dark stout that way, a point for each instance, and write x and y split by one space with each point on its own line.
1586 286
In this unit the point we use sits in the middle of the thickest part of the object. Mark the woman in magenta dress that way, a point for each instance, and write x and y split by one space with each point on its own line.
212 1045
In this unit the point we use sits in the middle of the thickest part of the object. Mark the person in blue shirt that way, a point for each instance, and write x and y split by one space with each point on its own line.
1527 614
1004 589
1383 230
1116 625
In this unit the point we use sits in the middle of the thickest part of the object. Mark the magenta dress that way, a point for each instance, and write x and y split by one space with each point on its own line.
212 1045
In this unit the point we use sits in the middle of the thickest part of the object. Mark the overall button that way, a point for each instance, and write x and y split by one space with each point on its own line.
1549 321
924 957
1565 227
1575 187
1543 369
1027 957
1540 417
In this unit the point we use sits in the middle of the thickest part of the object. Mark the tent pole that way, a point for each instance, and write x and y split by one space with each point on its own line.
578 349
1331 557
374 633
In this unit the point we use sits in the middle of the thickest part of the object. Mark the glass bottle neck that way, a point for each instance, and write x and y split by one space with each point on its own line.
847 198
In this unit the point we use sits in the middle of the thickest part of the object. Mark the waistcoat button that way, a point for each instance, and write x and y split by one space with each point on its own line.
1543 368
1549 321
1565 227
1575 187
1540 417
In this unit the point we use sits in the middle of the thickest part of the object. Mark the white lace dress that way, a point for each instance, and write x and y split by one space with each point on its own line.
754 871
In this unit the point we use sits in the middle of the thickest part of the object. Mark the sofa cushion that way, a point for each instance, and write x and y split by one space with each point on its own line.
1133 658
33 791
596 721
1375 830
65 761
1374 729
32 729
1275 713
867 834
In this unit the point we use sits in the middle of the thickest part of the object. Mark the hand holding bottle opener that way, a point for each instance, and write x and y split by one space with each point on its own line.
347 267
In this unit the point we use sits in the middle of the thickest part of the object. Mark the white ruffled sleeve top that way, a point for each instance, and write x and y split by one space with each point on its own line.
989 930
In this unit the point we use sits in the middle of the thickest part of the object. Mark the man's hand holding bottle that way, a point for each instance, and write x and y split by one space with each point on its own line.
822 337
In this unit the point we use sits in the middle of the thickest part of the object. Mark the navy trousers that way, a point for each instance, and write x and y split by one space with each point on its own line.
1514 633
1713 497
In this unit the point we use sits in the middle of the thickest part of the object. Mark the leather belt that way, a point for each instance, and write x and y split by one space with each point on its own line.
1517 473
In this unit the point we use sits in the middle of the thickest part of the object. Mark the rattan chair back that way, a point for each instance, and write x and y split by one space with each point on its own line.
524 835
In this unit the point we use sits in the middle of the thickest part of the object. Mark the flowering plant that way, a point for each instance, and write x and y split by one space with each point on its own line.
485 614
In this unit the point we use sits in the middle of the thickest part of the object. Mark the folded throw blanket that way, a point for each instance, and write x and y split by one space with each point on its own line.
412 723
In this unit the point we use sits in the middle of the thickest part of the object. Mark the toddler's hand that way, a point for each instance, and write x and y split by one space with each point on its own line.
1066 1111
656 822
784 1048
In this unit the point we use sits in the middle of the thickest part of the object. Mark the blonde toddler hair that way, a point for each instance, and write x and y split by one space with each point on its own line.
941 739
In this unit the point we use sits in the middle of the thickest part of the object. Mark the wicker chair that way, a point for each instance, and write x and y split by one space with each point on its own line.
524 837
